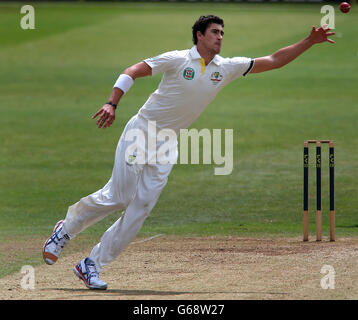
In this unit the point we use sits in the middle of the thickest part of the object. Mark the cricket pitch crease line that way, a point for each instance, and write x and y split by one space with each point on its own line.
148 239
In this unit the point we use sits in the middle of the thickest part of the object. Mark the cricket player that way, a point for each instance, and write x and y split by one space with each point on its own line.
191 80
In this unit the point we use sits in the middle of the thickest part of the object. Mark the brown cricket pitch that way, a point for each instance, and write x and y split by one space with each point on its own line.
191 268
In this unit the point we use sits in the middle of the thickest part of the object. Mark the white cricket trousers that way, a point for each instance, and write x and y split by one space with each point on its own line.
134 188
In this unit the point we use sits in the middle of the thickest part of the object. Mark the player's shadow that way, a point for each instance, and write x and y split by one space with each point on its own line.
123 292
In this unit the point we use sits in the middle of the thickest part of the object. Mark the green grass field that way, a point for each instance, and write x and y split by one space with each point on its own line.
54 78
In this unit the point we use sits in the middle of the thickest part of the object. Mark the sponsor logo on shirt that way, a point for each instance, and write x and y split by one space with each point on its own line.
131 159
216 77
189 73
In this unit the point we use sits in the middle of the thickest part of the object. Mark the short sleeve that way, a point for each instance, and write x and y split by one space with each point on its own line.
163 62
239 66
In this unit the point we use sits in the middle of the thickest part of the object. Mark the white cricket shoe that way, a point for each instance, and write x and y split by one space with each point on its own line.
54 244
87 272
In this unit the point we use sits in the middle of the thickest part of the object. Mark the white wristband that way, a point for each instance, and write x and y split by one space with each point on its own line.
124 82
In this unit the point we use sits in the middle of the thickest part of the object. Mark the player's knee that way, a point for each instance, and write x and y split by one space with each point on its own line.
120 199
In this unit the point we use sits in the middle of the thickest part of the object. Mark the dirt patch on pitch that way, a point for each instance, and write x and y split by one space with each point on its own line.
194 268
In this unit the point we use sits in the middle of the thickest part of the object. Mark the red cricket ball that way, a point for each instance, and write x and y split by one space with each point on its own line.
345 7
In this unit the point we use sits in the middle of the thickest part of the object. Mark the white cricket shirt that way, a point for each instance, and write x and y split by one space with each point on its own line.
187 87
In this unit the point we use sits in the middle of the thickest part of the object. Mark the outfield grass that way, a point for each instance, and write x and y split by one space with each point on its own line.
55 77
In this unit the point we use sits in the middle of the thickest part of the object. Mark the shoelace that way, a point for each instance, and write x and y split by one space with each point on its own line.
58 241
91 269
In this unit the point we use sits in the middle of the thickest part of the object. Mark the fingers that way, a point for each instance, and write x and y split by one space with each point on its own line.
327 34
109 122
323 28
97 113
106 118
100 122
106 122
101 118
321 34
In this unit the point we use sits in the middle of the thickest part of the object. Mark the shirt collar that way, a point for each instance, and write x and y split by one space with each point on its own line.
196 55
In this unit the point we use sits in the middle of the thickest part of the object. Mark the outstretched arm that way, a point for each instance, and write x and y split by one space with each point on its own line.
288 54
107 112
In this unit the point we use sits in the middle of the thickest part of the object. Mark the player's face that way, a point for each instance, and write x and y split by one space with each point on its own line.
212 39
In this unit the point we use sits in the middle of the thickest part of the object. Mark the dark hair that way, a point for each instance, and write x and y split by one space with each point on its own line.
203 23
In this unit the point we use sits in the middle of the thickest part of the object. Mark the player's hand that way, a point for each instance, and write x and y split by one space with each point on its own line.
106 116
321 34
